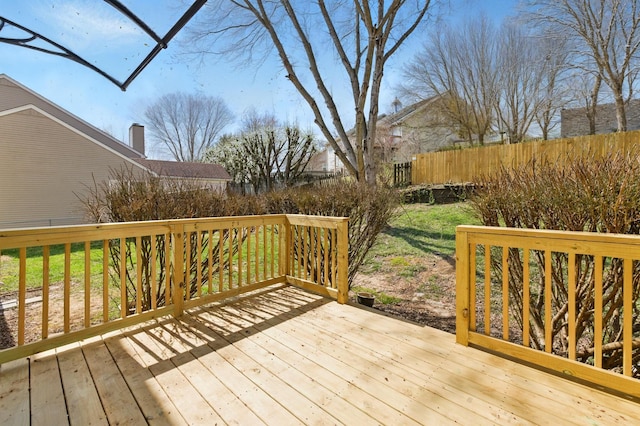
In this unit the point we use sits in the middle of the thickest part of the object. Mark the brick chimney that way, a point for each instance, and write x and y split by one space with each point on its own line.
136 137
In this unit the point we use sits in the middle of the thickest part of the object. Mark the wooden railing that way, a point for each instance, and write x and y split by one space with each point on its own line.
566 301
80 281
465 165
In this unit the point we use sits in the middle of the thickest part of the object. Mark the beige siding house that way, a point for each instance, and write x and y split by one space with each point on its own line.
48 157
419 127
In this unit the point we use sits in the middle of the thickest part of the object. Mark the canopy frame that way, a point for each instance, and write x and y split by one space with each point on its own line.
33 38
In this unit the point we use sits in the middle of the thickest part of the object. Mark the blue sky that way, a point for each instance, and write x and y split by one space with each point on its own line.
92 29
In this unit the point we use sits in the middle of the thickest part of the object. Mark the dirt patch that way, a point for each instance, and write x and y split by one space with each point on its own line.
427 296
55 317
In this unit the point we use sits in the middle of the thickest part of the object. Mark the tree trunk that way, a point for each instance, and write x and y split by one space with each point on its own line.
621 116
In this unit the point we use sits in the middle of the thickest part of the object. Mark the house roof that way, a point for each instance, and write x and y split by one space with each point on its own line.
394 119
14 95
183 169
404 113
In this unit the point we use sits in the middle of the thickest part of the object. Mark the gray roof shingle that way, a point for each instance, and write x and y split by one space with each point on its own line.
185 169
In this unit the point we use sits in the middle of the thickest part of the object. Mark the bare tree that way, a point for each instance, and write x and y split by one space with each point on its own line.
459 65
186 124
607 37
228 152
362 35
554 92
265 153
520 70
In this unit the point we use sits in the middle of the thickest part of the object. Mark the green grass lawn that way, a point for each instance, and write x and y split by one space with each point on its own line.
418 230
9 264
415 234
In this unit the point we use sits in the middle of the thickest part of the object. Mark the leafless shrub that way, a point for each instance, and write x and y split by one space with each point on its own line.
579 194
368 209
131 197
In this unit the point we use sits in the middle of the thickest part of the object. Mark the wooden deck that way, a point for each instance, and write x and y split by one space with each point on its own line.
285 356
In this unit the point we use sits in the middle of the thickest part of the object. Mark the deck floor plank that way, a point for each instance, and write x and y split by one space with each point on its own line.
48 406
268 409
388 349
547 391
297 404
154 403
395 407
230 408
329 379
83 403
286 356
265 370
163 347
349 354
413 383
14 393
118 402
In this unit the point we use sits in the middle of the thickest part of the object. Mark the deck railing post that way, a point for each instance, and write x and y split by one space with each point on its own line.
463 287
343 261
285 257
177 295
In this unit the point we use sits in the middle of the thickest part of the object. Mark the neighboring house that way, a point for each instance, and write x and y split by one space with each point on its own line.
419 127
48 157
574 121
325 162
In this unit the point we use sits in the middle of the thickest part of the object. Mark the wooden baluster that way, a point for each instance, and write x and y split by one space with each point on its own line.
526 298
139 293
87 284
598 311
22 294
505 293
487 290
67 287
105 280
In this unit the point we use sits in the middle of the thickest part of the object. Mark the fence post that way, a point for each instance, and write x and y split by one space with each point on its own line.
343 261
177 235
463 287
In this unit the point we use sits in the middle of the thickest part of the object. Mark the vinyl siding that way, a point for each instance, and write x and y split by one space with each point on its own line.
43 165
12 95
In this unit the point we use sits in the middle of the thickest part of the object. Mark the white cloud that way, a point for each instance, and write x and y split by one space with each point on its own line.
80 24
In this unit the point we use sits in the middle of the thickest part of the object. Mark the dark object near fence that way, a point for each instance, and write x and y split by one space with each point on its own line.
366 299
402 174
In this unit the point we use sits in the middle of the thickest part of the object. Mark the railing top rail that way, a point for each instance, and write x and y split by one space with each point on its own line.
320 221
26 237
549 233
590 243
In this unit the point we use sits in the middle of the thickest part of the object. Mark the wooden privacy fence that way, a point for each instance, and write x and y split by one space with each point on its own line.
465 165
80 281
566 301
